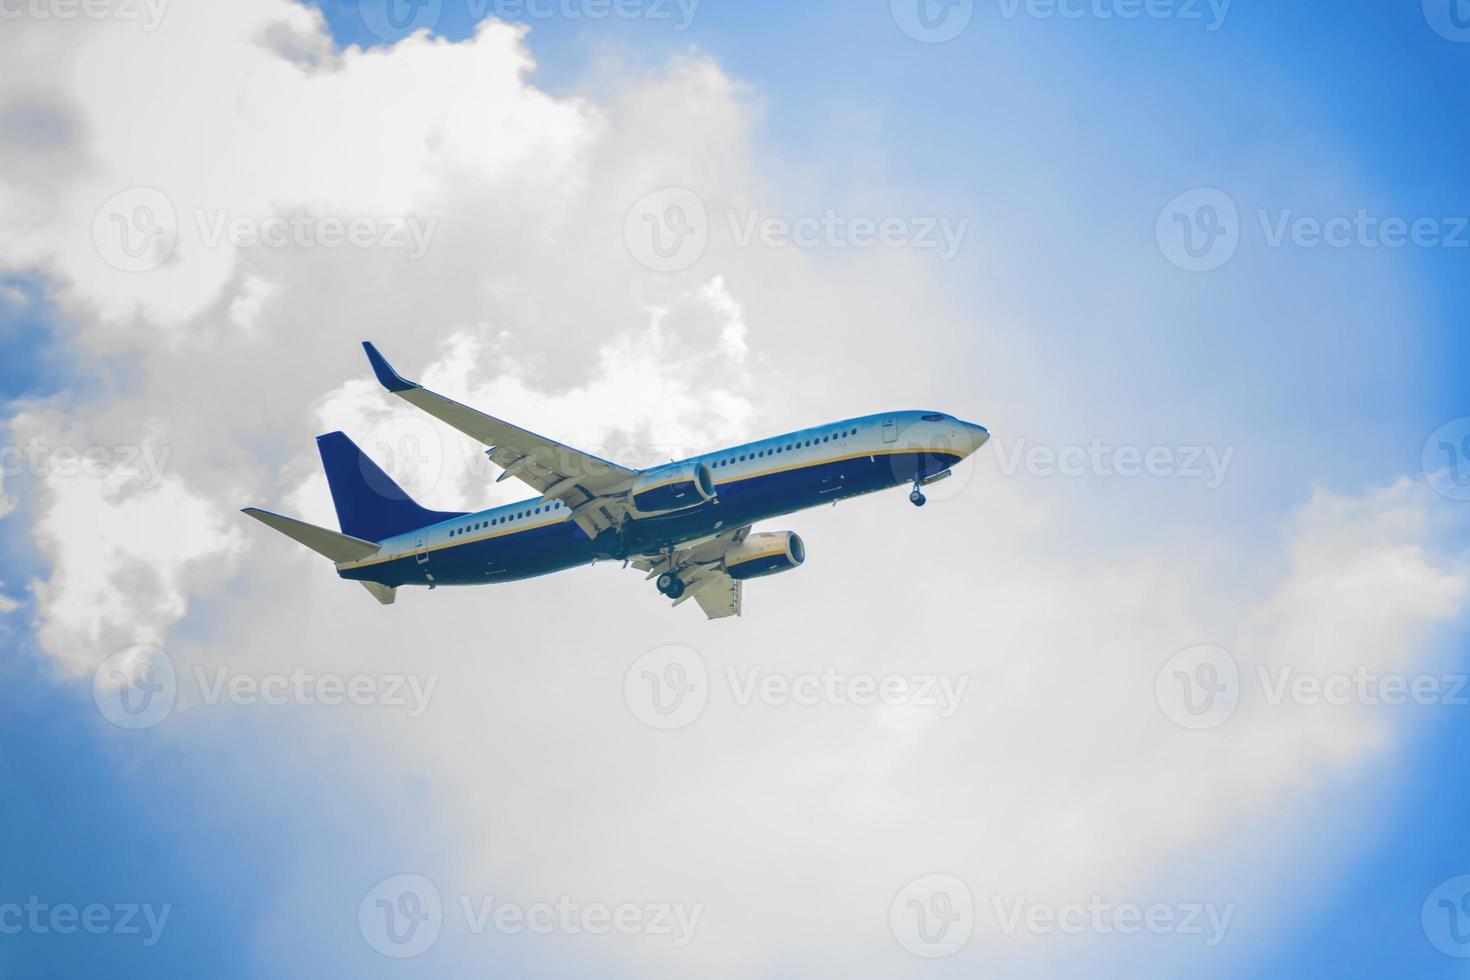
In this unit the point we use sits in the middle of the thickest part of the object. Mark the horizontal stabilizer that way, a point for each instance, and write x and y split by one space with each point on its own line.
338 547
383 593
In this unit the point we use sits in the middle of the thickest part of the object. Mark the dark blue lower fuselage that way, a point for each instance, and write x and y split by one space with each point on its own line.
556 542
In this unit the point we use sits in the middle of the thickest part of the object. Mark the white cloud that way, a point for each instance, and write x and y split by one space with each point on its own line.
127 554
245 309
1060 775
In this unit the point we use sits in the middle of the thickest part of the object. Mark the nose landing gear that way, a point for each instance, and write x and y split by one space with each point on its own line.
916 495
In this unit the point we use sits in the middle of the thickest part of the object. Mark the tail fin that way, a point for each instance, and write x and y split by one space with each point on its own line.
369 504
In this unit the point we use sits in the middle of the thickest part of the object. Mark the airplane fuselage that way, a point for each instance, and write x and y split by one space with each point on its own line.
753 482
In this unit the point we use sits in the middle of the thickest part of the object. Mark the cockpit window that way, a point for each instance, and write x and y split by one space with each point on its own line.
934 418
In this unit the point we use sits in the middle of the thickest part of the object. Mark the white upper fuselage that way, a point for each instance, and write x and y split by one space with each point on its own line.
869 436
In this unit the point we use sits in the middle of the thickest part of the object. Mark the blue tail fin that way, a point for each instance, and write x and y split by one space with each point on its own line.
369 504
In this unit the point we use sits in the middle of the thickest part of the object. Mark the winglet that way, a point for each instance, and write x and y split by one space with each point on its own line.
389 378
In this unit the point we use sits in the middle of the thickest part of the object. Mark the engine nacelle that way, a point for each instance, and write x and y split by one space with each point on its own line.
765 553
670 488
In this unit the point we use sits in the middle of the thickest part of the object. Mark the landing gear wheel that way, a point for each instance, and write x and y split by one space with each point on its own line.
917 498
670 585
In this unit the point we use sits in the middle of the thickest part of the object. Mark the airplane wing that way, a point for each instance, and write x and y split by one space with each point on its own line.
720 598
556 471
698 564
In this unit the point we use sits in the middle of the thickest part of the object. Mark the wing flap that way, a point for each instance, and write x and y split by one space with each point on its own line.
698 564
719 597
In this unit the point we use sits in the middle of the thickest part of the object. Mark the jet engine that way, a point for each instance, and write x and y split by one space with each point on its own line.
765 553
671 488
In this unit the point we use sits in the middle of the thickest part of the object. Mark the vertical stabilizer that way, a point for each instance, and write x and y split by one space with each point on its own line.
369 504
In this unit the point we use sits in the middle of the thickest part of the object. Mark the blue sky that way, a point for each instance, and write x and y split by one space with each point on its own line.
1063 140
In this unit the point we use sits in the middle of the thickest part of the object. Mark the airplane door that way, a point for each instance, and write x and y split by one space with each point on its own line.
890 430
421 548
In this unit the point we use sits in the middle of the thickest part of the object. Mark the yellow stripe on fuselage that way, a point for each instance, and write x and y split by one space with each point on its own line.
457 542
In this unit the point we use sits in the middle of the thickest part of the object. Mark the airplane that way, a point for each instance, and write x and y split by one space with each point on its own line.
687 524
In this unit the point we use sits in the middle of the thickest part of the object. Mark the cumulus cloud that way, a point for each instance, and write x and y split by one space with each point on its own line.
129 543
794 827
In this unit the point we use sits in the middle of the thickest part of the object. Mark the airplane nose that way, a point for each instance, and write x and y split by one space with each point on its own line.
978 435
